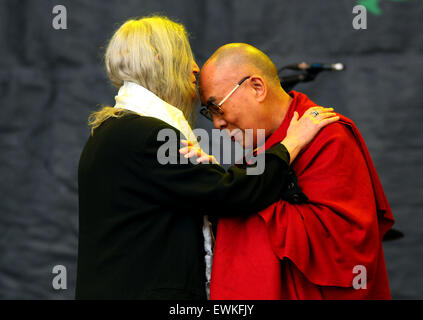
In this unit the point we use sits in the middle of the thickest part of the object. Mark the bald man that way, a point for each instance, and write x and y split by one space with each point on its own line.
327 248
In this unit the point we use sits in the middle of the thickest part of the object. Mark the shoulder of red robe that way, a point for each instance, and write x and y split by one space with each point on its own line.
340 136
339 146
385 216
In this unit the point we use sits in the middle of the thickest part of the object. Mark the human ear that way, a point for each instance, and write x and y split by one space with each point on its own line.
259 86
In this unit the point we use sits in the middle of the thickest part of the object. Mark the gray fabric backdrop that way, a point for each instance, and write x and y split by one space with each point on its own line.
50 80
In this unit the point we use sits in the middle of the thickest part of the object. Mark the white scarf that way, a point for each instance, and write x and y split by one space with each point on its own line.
138 99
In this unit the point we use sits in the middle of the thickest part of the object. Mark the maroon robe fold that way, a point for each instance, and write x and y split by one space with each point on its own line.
311 250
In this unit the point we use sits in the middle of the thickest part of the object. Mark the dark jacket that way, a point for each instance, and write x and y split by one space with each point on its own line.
140 222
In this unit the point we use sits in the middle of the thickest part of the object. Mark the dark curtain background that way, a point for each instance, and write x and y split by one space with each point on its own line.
50 81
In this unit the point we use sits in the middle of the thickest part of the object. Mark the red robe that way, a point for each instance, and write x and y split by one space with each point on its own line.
309 251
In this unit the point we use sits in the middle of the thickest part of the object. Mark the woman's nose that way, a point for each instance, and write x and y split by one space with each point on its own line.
195 68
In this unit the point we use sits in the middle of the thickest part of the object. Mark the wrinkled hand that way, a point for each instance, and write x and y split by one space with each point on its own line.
192 150
302 131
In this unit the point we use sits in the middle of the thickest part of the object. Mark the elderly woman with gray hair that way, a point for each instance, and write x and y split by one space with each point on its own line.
142 231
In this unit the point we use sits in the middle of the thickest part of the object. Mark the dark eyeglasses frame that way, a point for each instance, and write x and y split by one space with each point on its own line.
213 108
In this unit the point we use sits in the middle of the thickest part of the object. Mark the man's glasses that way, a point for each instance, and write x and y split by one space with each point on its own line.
213 108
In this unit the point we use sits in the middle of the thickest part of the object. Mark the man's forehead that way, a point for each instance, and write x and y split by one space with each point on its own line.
207 85
212 79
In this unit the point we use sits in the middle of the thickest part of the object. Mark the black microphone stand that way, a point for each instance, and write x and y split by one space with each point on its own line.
288 82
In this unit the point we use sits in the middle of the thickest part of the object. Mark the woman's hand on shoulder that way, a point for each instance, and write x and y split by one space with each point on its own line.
194 150
303 130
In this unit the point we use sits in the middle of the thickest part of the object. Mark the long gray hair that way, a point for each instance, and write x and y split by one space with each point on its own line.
155 53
